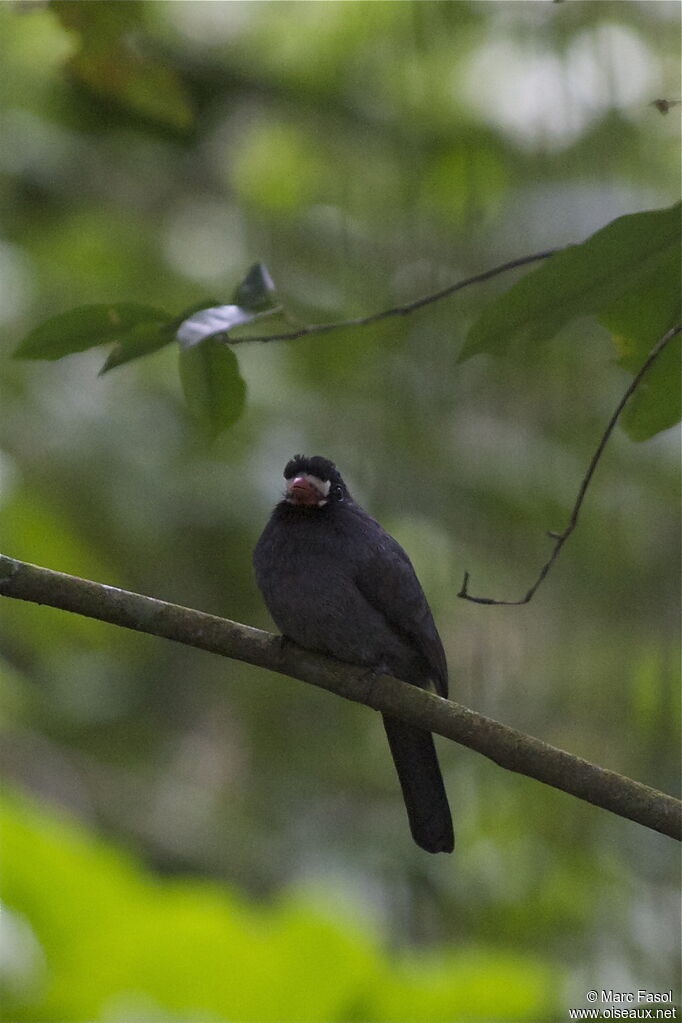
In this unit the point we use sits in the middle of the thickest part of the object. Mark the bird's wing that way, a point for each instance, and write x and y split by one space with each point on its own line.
388 582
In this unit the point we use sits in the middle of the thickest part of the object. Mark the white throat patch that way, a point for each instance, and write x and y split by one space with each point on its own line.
322 487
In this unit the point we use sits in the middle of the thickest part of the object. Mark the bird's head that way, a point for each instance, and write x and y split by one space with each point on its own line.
313 482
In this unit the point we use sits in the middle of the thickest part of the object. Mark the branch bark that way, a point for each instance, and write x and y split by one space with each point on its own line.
506 746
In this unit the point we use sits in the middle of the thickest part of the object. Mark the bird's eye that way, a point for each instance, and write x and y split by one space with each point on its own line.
337 492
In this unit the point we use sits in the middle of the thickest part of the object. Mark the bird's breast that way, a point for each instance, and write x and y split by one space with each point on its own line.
310 589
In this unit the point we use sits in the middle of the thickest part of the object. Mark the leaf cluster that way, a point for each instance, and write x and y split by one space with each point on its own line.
627 275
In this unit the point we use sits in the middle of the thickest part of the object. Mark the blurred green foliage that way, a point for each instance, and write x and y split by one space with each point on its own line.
114 942
367 154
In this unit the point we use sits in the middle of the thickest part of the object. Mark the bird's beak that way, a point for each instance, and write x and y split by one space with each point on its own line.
302 491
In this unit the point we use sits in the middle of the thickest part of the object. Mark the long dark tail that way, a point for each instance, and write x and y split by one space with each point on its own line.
414 756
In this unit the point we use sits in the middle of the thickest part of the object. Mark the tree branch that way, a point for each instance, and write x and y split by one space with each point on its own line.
506 746
561 538
398 310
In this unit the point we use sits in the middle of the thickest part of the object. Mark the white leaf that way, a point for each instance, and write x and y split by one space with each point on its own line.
219 319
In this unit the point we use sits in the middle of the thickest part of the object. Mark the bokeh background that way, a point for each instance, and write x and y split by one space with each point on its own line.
189 838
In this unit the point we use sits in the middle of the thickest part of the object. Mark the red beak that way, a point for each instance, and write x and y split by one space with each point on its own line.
302 491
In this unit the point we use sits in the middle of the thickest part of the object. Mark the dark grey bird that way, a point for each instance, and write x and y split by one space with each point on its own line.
336 582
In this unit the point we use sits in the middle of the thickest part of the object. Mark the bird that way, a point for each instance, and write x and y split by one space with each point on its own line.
334 581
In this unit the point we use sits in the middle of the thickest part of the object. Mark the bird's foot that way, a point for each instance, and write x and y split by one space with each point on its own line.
284 645
370 678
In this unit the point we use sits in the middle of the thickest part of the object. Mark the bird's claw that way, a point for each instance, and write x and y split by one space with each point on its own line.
370 678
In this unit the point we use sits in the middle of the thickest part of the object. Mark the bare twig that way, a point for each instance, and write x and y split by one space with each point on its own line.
399 310
505 746
561 538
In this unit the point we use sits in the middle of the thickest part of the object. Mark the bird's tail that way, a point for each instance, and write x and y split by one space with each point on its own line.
414 756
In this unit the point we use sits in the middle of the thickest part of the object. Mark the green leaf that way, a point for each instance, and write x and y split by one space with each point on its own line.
111 63
87 327
213 388
642 315
657 403
257 291
143 339
624 262
637 320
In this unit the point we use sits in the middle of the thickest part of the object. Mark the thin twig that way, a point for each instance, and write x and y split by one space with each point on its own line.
506 746
561 538
399 310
